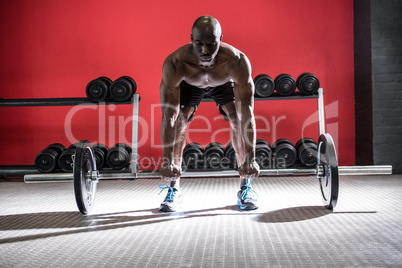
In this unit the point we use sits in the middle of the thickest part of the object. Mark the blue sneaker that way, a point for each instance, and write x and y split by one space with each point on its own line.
247 197
173 199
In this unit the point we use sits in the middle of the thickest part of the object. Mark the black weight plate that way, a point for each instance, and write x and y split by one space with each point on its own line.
304 140
101 146
193 156
121 89
99 157
229 147
280 141
214 150
214 160
46 160
84 186
97 90
125 146
118 158
107 80
262 141
285 85
263 155
132 81
307 154
58 147
307 83
214 153
229 150
284 155
264 85
194 145
66 160
214 145
329 181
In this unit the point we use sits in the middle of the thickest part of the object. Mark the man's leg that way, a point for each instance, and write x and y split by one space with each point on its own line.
174 197
185 113
237 138
247 197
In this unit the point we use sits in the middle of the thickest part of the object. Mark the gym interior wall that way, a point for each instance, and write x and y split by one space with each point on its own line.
52 49
386 49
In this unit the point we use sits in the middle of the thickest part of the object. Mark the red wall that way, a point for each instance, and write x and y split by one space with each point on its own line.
54 48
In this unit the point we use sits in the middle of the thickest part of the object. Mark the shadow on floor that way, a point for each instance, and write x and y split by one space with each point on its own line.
74 222
293 214
301 213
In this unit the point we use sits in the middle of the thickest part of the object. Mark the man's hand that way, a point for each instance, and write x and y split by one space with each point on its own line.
249 170
170 172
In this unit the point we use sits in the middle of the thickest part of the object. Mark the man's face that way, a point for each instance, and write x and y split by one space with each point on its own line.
205 45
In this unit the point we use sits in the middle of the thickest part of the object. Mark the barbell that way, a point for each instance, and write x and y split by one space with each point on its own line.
85 175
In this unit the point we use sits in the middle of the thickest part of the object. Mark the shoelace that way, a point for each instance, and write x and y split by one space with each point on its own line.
171 193
248 192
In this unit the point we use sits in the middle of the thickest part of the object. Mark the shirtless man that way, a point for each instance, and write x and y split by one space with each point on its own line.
207 65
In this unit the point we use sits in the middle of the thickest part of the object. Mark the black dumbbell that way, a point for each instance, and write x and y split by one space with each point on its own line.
264 85
230 155
46 160
193 156
307 151
214 153
304 140
66 159
119 156
308 84
123 88
97 90
285 84
263 153
284 153
100 152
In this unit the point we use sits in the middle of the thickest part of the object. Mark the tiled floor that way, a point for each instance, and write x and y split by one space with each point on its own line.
40 225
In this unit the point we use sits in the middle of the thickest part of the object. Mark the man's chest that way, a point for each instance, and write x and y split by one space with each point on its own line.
207 77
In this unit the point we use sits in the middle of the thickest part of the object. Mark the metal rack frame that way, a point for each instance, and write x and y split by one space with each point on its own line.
15 170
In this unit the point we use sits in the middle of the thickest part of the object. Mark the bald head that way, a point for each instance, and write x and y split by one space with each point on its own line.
207 24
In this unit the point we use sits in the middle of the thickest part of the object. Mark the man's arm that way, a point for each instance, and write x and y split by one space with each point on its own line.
244 101
170 101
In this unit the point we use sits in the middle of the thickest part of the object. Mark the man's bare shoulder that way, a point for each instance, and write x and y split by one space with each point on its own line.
236 60
233 55
180 55
175 65
230 52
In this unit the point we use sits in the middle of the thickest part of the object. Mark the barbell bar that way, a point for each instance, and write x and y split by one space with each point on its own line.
343 170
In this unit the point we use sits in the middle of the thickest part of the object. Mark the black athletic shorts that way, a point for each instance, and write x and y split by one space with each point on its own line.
192 96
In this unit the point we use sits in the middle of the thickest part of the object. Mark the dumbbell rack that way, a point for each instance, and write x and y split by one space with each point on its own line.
135 174
30 169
